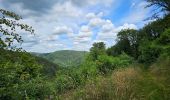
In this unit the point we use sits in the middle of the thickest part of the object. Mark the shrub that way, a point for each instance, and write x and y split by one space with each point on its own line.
88 70
104 64
149 53
63 83
125 60
165 37
18 69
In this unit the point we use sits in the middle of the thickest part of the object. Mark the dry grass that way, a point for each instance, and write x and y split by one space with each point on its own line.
119 86
127 84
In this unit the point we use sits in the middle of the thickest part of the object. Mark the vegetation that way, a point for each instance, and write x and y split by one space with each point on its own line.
136 67
65 58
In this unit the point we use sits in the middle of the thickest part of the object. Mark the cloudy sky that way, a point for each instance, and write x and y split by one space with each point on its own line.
75 24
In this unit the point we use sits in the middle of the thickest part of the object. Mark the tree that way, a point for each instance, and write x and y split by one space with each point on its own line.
160 6
149 52
97 49
128 42
8 24
165 37
113 50
154 29
153 40
19 71
164 42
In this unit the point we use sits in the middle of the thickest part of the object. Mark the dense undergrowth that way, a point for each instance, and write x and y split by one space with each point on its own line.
135 68
132 83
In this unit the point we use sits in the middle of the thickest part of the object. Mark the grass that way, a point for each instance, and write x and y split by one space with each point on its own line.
130 83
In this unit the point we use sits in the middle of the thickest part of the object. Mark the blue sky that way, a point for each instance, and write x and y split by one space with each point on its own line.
75 24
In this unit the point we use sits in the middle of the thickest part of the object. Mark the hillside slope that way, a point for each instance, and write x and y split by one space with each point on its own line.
48 68
65 58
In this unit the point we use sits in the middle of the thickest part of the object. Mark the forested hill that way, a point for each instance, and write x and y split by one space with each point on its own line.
65 58
135 67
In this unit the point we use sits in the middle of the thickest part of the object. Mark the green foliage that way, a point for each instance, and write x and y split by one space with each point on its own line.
149 52
37 88
23 76
130 83
165 37
18 71
49 69
67 79
153 30
65 58
125 60
8 34
97 49
150 49
89 70
146 44
70 78
164 42
128 42
104 64
63 83
114 50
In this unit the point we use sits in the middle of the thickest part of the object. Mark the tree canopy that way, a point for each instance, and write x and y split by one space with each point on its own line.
9 24
97 49
159 6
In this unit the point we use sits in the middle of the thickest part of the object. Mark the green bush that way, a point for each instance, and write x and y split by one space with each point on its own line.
63 83
18 70
104 64
88 70
165 37
35 89
149 53
77 78
124 60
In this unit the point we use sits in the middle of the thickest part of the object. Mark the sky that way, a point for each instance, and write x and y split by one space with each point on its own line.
75 24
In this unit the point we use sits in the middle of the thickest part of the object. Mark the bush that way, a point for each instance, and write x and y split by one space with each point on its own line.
36 89
165 37
88 70
63 83
125 60
104 64
14 75
149 53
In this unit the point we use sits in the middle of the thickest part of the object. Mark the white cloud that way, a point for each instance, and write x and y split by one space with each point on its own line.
85 29
90 15
127 26
74 19
108 26
106 32
95 19
84 35
62 30
96 22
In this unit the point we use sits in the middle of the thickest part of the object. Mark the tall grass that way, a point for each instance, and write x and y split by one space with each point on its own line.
119 86
130 83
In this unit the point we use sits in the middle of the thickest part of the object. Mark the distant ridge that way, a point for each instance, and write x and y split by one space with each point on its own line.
65 58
